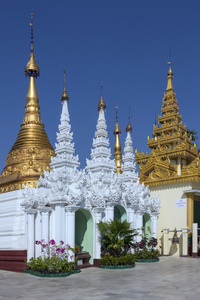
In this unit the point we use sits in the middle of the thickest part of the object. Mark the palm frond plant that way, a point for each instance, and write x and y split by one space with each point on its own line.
117 241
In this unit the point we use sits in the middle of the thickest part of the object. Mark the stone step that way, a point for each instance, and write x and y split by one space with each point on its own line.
13 260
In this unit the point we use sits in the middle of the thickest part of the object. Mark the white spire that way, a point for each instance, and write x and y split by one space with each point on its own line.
128 166
64 148
100 155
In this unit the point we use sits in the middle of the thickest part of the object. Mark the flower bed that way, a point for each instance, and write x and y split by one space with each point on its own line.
52 274
122 262
53 262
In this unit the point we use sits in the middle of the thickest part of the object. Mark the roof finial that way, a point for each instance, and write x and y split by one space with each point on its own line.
170 73
64 94
129 127
101 102
169 62
32 68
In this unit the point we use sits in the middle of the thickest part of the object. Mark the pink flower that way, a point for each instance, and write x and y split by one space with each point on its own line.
61 242
71 256
63 250
52 242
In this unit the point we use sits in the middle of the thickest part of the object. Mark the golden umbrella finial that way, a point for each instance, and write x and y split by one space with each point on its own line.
32 68
64 94
101 102
129 127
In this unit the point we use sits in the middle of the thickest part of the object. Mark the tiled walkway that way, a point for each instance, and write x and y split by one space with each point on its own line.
171 278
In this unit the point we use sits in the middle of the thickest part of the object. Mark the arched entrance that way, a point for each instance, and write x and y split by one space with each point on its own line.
84 231
147 225
120 213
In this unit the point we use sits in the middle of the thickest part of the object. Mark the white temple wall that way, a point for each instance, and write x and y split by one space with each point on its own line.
12 222
170 216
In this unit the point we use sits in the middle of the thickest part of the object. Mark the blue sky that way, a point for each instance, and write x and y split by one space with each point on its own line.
124 44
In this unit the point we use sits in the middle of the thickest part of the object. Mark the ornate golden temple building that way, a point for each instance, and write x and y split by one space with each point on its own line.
31 153
172 168
173 158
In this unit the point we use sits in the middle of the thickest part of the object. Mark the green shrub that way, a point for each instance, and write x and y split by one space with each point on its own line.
51 265
147 254
110 260
116 237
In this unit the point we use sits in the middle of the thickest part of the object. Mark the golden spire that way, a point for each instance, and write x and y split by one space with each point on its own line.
129 127
32 68
169 74
169 79
117 146
31 153
101 102
64 94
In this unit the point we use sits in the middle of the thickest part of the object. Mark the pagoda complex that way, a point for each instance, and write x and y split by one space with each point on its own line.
172 167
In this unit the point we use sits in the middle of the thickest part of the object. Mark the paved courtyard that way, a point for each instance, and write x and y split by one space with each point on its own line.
171 278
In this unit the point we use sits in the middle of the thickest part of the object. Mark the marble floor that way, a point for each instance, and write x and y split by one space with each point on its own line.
170 278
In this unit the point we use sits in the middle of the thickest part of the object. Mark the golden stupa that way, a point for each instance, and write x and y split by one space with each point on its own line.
31 153
174 157
117 146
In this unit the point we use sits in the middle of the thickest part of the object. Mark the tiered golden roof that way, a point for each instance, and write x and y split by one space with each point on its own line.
173 157
117 146
31 153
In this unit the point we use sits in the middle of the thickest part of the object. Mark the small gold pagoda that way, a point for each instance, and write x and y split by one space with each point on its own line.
117 146
31 153
173 157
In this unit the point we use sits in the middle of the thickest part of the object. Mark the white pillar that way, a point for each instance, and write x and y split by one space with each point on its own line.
165 245
110 211
184 251
139 224
70 228
59 222
131 217
154 217
45 222
97 239
194 239
30 232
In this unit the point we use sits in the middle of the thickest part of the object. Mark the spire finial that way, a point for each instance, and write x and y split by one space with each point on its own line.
101 102
170 73
64 94
117 129
32 68
129 127
116 107
169 62
31 24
